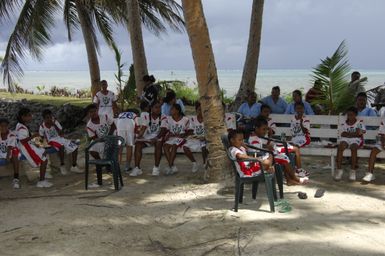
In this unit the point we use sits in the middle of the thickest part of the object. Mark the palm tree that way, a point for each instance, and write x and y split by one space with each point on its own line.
332 75
36 19
252 56
169 10
209 91
137 45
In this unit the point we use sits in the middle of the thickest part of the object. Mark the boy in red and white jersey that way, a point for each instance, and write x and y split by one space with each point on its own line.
9 151
106 101
300 127
352 137
51 130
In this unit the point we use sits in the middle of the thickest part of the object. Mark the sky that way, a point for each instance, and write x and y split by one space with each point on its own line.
296 35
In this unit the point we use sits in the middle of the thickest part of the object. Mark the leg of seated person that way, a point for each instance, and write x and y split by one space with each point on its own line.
75 158
138 153
43 169
354 149
167 152
372 159
61 155
298 161
95 154
189 154
291 178
15 164
174 148
158 152
341 148
205 153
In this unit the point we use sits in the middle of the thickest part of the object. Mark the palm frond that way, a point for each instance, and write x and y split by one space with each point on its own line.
30 33
70 16
332 74
7 7
86 10
103 22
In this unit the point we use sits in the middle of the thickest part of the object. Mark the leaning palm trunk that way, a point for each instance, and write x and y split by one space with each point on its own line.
252 56
137 46
92 56
209 91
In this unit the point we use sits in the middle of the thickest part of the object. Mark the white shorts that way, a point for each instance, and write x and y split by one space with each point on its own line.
195 144
300 141
350 141
59 142
35 155
128 136
98 148
176 141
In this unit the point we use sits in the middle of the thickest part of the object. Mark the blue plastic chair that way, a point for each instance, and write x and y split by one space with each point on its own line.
108 159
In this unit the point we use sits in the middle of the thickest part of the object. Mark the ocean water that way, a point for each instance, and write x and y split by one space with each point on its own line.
229 80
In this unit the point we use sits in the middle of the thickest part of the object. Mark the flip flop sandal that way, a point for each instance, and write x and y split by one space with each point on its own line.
302 195
319 193
284 209
281 202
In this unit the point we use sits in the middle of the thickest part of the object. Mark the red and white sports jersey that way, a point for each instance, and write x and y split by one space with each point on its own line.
272 125
101 129
359 124
381 130
144 118
175 127
256 141
295 126
126 120
196 126
153 125
51 132
22 131
104 102
230 121
9 141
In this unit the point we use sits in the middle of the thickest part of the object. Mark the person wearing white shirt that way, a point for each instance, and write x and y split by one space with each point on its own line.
106 101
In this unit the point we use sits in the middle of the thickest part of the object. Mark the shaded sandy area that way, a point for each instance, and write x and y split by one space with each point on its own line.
179 215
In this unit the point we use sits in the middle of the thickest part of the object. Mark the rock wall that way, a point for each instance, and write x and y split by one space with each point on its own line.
68 115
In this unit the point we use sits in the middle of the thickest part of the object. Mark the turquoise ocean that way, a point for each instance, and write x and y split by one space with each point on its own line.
229 80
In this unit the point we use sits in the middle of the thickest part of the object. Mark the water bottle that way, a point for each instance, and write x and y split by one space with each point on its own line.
283 137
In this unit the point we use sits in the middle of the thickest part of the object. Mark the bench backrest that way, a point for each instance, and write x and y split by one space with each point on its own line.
323 126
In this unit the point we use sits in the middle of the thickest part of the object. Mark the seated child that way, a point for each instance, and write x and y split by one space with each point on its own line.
151 132
256 140
51 130
127 125
9 151
35 155
352 136
299 171
98 127
177 125
198 142
238 151
300 127
380 146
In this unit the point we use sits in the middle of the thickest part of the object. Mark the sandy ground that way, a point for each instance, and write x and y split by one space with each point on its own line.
179 215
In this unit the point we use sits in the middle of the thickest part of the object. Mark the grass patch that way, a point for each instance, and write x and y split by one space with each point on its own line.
44 99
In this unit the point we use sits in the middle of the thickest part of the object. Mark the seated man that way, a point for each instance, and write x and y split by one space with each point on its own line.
276 103
297 98
361 105
380 146
250 111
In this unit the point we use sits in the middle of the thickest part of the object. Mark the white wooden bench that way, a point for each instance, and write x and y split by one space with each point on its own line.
325 128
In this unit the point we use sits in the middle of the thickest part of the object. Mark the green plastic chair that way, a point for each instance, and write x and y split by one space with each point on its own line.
241 180
108 159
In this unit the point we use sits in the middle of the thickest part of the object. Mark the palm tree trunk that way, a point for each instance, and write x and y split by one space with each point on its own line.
92 56
137 46
252 56
209 91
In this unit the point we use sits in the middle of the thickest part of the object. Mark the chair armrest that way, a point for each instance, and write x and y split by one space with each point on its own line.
260 149
275 140
93 142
